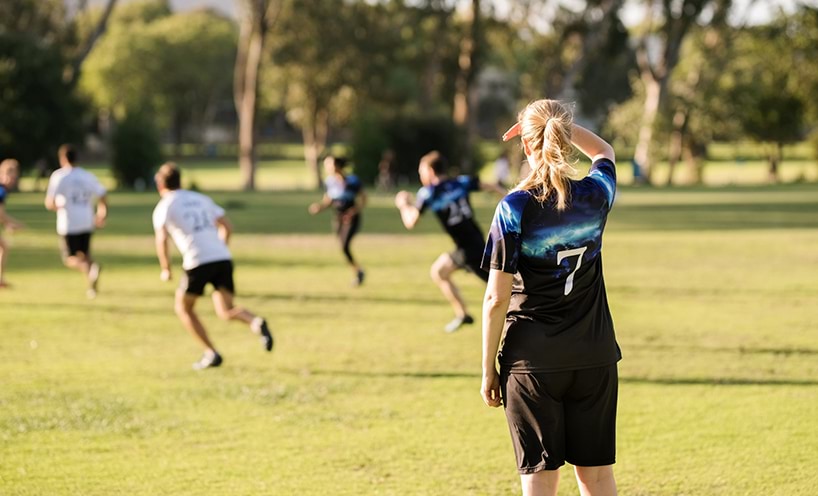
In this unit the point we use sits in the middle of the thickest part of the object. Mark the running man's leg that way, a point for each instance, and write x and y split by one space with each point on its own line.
184 310
542 483
441 273
596 481
226 310
346 231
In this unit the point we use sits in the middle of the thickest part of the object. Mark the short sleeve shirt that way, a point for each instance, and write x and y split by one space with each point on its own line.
74 191
449 200
343 192
190 219
558 318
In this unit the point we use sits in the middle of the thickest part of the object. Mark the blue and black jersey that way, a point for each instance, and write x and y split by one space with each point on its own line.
449 200
343 192
558 318
3 194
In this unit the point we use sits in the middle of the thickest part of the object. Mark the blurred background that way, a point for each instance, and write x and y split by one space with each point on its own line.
688 91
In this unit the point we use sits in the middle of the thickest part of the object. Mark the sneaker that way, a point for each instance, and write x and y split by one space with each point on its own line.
458 322
359 278
93 278
266 336
208 361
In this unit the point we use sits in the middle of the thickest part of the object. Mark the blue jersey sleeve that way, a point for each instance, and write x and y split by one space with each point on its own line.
469 183
603 173
505 235
2 195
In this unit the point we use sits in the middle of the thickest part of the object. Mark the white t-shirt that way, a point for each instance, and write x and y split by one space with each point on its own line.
74 191
190 218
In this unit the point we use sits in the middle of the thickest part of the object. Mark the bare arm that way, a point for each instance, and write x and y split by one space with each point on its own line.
586 141
7 220
162 253
591 145
102 211
50 204
409 214
493 188
317 207
225 228
495 306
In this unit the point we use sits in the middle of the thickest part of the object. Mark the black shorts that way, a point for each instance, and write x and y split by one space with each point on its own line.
558 417
76 243
219 274
469 260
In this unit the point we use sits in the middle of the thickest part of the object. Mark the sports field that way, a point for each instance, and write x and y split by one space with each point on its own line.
714 293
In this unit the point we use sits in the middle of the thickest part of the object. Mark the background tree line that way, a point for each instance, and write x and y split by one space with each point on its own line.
400 75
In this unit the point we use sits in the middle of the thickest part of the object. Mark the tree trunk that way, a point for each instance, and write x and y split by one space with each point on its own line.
676 139
775 158
641 155
72 75
463 113
247 110
315 131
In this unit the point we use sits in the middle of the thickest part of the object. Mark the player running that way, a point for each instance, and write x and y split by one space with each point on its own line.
9 173
558 363
200 230
344 193
79 200
449 199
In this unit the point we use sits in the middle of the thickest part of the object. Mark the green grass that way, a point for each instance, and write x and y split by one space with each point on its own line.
713 293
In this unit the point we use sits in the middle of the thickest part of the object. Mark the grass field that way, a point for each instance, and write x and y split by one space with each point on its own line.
714 297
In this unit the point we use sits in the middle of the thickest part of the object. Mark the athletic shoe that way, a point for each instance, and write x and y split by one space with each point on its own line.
458 322
93 277
266 336
359 278
208 361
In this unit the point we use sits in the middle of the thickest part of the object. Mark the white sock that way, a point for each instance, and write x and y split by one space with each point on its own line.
255 325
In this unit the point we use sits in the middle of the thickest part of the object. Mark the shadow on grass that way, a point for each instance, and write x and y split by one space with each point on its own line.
667 381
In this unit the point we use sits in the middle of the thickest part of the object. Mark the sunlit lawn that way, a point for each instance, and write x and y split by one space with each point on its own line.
713 292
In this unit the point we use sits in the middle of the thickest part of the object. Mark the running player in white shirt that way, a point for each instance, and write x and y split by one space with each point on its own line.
200 230
79 200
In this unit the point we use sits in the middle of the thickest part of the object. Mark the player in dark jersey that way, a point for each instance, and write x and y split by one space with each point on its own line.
9 172
448 198
558 363
344 193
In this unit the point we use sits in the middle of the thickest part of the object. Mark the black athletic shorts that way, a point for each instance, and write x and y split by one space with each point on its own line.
469 260
558 417
76 243
219 274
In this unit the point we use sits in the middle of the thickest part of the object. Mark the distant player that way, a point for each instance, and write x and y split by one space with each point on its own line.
200 230
9 172
449 199
344 193
79 200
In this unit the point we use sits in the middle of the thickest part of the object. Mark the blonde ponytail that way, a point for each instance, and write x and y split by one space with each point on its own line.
546 128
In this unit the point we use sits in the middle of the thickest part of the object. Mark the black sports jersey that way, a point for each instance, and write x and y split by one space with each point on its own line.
449 200
3 194
558 318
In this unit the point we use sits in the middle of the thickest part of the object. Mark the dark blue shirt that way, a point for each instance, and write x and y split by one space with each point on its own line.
558 318
449 200
3 194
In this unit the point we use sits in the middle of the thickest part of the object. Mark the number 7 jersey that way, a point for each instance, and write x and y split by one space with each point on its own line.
190 219
558 317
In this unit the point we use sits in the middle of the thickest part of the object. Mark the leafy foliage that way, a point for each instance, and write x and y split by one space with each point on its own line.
136 150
